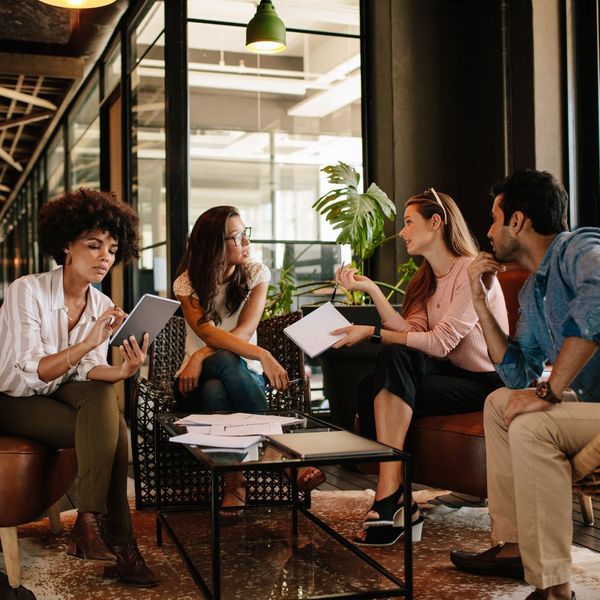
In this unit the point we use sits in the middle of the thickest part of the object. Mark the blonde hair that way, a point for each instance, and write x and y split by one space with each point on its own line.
457 237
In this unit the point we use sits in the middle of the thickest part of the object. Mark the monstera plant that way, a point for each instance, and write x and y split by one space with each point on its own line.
360 218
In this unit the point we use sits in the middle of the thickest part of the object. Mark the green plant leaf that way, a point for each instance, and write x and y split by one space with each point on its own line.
358 217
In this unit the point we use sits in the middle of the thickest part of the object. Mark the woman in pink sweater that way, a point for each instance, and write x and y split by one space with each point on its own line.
435 360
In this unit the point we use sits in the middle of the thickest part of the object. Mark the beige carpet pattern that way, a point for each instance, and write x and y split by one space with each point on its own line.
52 575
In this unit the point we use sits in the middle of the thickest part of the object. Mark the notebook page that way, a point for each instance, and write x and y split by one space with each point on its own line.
312 333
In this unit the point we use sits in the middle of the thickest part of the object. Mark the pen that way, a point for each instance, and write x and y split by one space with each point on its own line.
335 287
298 380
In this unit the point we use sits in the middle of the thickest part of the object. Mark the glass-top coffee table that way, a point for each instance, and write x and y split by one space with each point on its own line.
280 550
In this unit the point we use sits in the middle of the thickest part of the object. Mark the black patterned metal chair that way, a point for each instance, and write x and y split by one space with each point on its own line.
586 477
182 478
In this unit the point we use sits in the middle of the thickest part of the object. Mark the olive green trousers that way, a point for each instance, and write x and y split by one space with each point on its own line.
84 415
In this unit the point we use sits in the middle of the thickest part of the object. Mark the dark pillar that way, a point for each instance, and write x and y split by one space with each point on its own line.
177 125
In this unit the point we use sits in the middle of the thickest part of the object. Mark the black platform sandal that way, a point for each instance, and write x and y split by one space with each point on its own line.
389 535
389 510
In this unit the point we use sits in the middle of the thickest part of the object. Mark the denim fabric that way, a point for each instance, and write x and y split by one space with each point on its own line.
561 299
226 384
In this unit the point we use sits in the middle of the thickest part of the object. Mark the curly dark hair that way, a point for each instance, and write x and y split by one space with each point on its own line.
68 217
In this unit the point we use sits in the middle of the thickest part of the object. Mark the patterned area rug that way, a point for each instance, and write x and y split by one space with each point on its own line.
52 575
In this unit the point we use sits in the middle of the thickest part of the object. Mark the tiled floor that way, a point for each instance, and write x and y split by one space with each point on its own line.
339 478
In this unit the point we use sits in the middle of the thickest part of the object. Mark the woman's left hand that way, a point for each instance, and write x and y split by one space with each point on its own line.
133 355
354 335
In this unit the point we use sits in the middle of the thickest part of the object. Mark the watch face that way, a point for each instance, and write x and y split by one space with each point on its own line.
542 390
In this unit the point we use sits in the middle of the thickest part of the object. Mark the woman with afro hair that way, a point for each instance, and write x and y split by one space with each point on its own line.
56 386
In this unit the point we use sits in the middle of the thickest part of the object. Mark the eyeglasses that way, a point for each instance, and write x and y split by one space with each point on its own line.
437 199
238 237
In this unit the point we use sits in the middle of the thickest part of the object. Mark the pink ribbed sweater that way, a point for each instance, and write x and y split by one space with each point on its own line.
452 331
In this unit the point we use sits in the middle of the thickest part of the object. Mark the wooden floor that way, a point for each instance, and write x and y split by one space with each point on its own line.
339 478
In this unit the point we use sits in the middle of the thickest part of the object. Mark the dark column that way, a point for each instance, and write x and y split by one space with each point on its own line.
586 159
438 109
177 132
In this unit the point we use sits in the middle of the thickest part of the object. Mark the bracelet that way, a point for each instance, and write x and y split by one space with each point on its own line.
69 360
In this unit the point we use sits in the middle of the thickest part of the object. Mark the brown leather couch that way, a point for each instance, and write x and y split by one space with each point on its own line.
33 478
448 452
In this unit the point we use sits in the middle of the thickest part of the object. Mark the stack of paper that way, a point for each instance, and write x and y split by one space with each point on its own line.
238 430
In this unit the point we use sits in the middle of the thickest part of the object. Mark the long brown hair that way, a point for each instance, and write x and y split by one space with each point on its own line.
457 237
205 260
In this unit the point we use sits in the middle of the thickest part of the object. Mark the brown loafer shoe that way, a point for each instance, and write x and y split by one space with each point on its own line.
537 596
488 563
89 538
131 568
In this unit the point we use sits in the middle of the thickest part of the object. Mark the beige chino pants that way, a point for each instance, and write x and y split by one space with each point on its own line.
529 481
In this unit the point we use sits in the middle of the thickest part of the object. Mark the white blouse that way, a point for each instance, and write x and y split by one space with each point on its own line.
34 323
258 273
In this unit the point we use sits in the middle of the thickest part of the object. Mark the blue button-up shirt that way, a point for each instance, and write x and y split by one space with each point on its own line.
561 299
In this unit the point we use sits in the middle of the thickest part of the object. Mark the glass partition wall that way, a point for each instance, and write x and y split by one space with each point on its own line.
262 126
148 188
256 131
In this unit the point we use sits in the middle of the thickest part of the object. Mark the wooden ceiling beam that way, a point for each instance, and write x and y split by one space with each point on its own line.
31 118
64 67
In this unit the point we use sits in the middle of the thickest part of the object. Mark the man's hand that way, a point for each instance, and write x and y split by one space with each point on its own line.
524 401
354 335
481 272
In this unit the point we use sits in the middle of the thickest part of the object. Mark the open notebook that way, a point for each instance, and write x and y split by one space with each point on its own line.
312 333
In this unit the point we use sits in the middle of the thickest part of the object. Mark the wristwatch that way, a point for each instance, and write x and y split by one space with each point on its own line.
376 336
544 391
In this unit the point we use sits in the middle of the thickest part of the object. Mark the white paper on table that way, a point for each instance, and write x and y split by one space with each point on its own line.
237 419
196 428
215 441
258 429
312 333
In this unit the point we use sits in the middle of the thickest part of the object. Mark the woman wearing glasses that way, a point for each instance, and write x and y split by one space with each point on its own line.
435 360
222 293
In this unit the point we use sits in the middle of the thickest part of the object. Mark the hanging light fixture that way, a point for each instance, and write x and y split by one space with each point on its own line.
78 3
265 32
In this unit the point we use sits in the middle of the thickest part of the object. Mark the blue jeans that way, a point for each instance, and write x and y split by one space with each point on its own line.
226 384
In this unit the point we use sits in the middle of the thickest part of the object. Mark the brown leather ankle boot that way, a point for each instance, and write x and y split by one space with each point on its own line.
131 567
89 538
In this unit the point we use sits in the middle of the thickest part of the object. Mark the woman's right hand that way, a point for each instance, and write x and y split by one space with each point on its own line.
104 326
349 278
276 375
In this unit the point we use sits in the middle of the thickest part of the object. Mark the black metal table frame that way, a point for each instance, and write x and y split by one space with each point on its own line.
404 588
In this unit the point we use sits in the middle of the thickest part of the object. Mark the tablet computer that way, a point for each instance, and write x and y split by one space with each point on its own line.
150 315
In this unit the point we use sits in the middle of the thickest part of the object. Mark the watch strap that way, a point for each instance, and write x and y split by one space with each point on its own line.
376 335
544 391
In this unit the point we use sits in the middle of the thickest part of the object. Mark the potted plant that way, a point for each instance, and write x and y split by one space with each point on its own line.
360 218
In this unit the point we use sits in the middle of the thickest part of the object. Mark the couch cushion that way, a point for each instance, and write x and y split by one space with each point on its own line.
449 452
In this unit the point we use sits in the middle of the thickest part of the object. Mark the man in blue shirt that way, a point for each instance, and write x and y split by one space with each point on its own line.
532 432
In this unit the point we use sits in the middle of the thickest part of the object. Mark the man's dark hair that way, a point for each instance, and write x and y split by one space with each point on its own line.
68 217
536 194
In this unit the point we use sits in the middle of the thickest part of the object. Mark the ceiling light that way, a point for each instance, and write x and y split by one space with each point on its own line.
78 3
265 32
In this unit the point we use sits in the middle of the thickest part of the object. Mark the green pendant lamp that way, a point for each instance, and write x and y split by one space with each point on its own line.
265 33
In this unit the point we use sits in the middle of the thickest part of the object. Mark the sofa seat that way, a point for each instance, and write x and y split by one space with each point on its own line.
448 452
